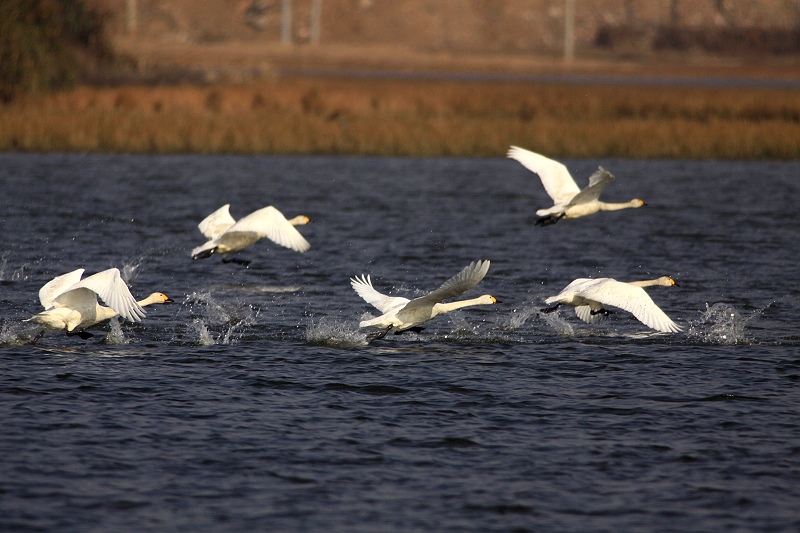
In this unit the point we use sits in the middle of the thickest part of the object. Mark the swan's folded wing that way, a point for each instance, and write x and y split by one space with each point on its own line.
110 287
57 286
269 222
598 181
555 177
217 222
383 303
79 299
584 312
470 276
575 287
634 300
231 240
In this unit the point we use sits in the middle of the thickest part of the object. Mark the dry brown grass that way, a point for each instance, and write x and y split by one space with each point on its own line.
418 118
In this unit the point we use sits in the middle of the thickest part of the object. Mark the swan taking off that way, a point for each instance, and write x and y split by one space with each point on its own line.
568 199
71 302
588 296
226 235
401 314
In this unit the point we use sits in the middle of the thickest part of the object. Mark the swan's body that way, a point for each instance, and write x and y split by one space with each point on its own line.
589 295
401 314
71 302
226 235
570 201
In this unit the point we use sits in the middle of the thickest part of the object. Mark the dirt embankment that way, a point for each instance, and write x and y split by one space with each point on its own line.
239 40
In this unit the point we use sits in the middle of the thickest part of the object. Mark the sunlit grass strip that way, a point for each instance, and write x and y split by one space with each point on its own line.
329 116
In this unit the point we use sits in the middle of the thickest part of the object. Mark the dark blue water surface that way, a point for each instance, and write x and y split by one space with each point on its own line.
253 403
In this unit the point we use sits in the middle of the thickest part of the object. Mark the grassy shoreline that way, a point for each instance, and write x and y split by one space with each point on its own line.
301 115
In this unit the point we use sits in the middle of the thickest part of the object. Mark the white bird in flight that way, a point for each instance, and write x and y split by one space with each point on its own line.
570 201
71 302
226 235
589 295
401 314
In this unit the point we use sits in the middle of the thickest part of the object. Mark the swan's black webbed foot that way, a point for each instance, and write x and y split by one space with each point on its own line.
204 254
550 309
379 335
38 336
82 334
548 220
415 329
603 311
243 262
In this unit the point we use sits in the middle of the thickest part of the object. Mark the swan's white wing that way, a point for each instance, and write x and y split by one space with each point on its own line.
555 177
217 222
598 181
470 276
56 286
108 285
383 303
269 222
634 300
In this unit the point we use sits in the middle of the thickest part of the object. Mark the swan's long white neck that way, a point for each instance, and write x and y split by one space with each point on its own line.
604 206
442 308
299 220
106 313
154 298
665 282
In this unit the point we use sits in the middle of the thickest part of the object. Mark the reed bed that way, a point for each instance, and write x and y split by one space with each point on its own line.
414 118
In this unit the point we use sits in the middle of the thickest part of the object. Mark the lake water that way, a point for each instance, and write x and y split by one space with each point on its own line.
253 403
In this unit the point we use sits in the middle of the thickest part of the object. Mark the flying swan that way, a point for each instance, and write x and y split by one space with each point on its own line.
568 199
71 302
588 295
226 235
401 314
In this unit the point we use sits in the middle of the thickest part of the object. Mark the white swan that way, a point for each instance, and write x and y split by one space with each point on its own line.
568 199
588 296
402 314
71 302
226 235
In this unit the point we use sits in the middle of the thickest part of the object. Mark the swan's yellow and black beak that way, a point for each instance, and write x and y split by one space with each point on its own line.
167 299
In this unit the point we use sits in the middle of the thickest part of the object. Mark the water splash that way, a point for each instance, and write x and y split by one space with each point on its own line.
129 272
462 327
14 334
334 333
517 317
200 330
720 324
115 335
215 323
561 326
16 275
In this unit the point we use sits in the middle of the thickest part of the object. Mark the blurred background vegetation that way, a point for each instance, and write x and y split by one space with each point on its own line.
655 78
46 44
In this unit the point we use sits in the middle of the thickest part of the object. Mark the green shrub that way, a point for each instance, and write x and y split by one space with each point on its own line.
47 44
